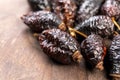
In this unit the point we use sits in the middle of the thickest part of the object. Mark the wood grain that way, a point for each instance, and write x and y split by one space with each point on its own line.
20 55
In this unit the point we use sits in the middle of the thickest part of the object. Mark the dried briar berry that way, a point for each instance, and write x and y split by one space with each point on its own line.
101 25
111 8
42 20
87 9
66 9
93 50
114 57
37 5
60 46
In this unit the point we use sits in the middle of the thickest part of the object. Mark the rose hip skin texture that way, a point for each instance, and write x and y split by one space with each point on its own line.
114 57
92 49
66 9
41 20
87 9
101 25
58 45
37 5
111 8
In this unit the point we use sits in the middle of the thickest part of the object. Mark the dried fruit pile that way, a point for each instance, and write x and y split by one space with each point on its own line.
70 29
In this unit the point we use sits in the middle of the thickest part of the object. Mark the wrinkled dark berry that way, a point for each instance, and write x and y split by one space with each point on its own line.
101 25
87 9
111 8
114 57
66 9
93 50
42 20
37 5
59 46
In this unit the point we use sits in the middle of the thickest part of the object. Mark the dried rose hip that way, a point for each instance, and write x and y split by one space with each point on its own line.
114 57
101 25
111 8
93 50
66 10
59 46
42 20
39 4
87 9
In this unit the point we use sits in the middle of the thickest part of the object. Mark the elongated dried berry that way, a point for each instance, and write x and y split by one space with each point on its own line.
114 57
66 10
111 8
101 25
39 5
87 9
60 46
93 50
42 20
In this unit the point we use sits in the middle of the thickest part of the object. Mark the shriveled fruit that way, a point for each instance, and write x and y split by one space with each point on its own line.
42 20
101 25
60 46
114 57
111 8
37 5
93 50
87 9
66 10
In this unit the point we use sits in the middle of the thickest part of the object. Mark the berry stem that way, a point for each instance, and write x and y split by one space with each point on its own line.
113 19
36 35
116 33
62 26
77 56
80 33
72 33
100 66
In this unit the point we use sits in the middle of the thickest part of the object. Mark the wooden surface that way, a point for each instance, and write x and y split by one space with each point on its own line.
21 57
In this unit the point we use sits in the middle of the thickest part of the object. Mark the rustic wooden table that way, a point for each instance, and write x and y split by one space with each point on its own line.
21 57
